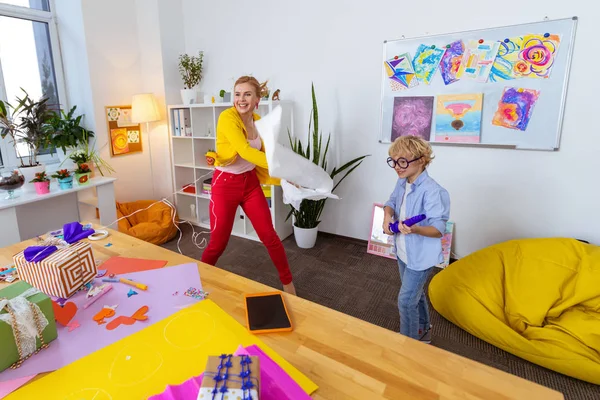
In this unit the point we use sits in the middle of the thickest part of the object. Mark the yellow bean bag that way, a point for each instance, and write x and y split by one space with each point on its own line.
538 299
154 225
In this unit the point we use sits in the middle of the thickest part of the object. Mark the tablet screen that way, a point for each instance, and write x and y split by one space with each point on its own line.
267 312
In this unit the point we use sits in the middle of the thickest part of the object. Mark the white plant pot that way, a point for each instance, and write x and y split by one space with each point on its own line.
188 96
29 173
305 238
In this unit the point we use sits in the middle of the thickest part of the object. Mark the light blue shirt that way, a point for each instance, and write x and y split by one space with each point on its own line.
429 198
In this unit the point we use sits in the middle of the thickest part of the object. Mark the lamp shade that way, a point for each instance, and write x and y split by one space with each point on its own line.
144 108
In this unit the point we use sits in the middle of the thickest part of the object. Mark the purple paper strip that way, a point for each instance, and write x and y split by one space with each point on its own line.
90 337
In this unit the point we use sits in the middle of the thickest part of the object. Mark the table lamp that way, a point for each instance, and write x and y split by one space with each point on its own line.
144 108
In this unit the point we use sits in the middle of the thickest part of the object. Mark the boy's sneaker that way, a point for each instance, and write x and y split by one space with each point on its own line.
425 337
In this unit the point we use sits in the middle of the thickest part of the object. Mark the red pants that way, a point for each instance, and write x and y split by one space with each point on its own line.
230 191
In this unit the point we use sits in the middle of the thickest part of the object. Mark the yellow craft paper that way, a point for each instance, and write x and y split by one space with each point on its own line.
141 365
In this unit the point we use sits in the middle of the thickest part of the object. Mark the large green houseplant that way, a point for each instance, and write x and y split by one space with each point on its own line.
308 217
71 137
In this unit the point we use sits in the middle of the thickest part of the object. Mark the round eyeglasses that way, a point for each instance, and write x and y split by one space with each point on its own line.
402 162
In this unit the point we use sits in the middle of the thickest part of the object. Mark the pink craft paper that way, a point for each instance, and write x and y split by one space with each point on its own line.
90 337
8 387
275 383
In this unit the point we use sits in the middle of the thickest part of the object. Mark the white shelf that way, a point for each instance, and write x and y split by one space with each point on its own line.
203 196
206 167
186 194
204 137
185 165
182 137
227 105
90 201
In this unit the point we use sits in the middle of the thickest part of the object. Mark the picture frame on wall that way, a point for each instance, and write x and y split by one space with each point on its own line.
125 136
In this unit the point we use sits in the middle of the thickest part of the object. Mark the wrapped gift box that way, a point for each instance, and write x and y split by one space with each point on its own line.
62 273
233 377
10 353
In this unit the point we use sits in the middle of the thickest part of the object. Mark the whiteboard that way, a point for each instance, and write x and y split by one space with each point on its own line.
543 129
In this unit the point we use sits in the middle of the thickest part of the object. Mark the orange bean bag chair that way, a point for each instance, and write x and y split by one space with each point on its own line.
154 224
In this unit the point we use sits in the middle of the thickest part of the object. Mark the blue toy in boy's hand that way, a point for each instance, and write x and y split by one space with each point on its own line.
408 222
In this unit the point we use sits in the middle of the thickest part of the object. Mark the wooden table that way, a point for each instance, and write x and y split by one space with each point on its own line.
347 357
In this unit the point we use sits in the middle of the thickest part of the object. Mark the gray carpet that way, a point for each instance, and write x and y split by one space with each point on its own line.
338 273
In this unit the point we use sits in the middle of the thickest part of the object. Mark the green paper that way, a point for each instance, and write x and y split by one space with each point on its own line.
9 353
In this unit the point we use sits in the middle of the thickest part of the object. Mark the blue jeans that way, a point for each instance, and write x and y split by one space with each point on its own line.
412 303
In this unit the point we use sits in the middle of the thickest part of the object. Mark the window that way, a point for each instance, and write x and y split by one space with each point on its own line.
30 61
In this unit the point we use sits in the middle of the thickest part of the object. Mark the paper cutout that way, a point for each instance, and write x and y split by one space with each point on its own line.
124 265
515 108
450 62
426 61
529 56
108 245
412 116
64 314
139 315
478 60
131 293
458 118
73 325
106 312
400 72
101 273
69 347
158 355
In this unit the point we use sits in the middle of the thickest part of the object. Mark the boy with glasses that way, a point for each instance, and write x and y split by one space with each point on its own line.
418 247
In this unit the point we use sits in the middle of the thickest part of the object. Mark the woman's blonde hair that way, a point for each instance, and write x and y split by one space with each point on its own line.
413 145
258 87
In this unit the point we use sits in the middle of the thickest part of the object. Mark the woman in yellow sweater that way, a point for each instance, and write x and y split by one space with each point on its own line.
241 166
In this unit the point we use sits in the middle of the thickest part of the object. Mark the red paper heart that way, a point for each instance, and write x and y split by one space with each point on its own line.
64 315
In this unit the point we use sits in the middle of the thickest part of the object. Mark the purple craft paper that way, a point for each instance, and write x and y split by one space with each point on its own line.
38 253
90 337
275 383
74 232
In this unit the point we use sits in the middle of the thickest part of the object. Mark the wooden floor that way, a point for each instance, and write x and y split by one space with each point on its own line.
338 273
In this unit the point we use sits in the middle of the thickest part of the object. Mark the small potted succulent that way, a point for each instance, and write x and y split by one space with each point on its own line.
41 182
82 174
65 179
211 156
225 96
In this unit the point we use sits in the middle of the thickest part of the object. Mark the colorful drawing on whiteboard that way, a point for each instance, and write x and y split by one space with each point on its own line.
530 56
412 116
478 59
450 62
400 72
515 108
379 243
458 118
426 61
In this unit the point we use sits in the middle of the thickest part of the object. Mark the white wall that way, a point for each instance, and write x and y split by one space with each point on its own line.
109 56
496 194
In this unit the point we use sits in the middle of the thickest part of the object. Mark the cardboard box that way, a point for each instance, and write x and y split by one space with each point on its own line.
238 384
62 273
9 353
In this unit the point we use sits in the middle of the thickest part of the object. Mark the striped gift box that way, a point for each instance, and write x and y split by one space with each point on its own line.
62 273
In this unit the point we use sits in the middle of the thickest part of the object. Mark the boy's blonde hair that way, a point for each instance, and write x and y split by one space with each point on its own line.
413 145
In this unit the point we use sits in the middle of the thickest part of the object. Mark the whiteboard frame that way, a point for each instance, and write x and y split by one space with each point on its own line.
556 147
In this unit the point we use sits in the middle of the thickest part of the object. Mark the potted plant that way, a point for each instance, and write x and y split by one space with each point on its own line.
82 174
90 156
225 96
307 218
264 90
211 156
41 182
64 178
190 68
33 129
67 132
